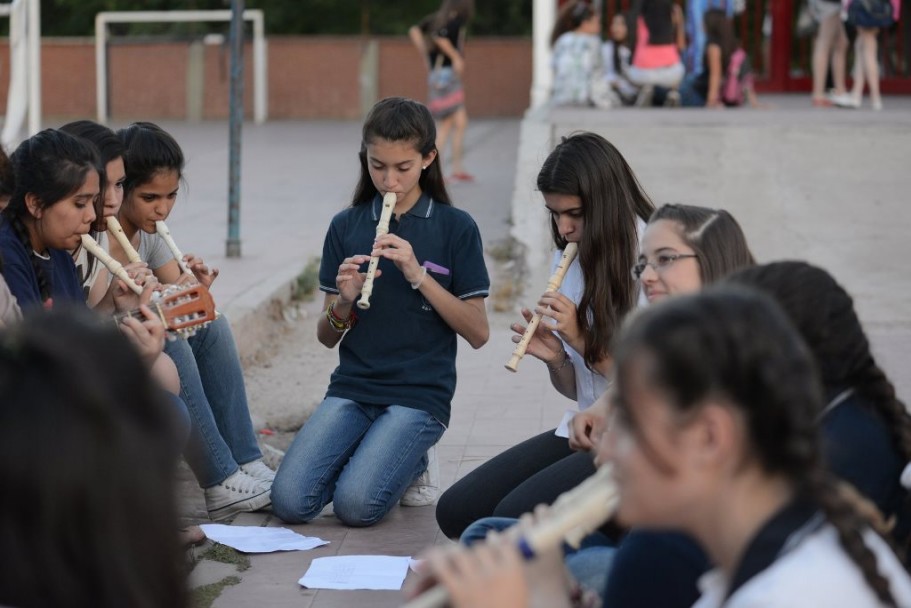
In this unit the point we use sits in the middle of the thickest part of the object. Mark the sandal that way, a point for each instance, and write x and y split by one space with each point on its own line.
461 176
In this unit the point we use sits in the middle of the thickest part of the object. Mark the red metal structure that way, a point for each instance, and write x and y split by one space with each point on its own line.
780 54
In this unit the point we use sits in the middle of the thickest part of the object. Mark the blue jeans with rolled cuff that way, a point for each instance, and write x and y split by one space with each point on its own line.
360 457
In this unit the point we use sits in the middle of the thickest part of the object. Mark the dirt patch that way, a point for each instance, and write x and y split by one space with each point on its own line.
287 378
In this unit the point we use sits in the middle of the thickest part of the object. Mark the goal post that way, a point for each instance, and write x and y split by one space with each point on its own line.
102 19
23 99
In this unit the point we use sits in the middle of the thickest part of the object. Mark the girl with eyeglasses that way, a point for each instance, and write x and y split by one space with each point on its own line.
686 247
683 248
594 200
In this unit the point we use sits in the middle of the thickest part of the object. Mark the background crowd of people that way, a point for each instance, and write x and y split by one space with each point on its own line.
759 452
657 53
641 63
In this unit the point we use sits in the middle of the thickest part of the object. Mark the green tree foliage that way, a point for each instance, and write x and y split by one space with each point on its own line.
345 17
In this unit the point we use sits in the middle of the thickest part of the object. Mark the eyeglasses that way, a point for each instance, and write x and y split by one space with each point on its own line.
661 262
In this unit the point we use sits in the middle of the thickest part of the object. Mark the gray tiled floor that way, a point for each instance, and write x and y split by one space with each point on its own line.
826 186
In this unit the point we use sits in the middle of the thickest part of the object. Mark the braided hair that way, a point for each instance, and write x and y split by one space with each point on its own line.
737 344
823 312
50 166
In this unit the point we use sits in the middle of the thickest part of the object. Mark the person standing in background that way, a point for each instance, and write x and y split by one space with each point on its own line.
440 40
830 44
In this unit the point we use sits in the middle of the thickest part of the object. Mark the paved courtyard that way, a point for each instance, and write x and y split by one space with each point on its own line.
828 186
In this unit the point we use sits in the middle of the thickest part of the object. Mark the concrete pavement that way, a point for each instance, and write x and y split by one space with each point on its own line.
824 185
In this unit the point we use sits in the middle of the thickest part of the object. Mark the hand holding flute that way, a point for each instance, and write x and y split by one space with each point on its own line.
113 266
541 340
190 265
490 573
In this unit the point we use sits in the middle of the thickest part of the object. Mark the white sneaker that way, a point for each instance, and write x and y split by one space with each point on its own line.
425 489
237 494
259 470
846 101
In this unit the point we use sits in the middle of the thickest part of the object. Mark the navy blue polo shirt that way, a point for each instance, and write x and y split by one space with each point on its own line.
59 270
401 352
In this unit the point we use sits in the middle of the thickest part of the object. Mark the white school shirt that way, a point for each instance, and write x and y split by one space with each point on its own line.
589 384
816 572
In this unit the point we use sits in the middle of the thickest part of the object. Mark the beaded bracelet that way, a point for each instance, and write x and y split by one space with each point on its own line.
337 323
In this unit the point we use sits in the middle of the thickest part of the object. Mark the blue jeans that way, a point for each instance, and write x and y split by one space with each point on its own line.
360 457
212 386
589 564
689 96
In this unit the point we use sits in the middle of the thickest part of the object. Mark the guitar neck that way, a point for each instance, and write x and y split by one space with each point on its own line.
137 314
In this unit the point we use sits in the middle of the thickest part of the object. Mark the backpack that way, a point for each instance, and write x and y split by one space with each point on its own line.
738 78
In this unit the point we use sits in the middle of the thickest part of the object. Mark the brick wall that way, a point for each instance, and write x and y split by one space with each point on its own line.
308 77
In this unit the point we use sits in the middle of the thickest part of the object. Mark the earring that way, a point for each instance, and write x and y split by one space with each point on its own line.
423 167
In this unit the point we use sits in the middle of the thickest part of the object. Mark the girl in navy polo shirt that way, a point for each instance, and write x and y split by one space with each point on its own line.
389 398
57 184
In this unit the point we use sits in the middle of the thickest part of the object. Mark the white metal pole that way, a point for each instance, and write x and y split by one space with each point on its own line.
34 76
101 68
545 15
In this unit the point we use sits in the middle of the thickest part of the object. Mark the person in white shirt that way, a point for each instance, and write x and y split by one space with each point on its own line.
714 432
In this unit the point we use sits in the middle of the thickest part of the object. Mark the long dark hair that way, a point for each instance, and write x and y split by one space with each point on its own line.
51 165
823 312
148 149
719 30
713 235
109 148
615 47
658 22
588 166
737 343
462 10
404 120
92 520
571 16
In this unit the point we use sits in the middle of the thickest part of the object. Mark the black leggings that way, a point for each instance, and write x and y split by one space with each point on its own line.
512 483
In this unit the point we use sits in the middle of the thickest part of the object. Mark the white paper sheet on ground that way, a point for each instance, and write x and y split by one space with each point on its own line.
563 428
383 572
256 539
